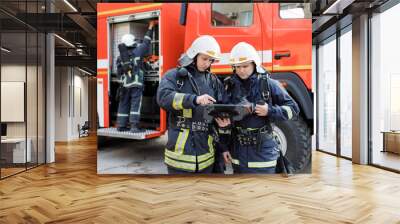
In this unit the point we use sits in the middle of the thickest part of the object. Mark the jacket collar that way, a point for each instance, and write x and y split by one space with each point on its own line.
250 79
193 70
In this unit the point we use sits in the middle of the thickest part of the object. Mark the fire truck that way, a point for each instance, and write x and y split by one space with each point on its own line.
282 40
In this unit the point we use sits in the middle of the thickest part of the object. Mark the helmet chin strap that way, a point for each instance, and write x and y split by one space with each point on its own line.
185 60
260 69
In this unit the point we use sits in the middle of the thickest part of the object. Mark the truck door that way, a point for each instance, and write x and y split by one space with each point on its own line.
265 9
292 39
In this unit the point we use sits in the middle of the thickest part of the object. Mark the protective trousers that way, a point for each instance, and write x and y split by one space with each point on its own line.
129 107
251 158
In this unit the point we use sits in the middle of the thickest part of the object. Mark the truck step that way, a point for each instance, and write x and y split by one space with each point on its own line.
113 132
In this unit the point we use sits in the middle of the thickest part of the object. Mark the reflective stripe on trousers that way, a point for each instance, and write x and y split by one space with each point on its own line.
178 159
129 107
257 164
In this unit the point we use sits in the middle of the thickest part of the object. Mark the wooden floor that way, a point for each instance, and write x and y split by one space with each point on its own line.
70 191
5 172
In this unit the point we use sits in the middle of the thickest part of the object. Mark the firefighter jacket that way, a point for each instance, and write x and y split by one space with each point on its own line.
130 65
190 145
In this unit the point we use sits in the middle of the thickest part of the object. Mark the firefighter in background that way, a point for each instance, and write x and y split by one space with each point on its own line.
130 70
252 146
182 93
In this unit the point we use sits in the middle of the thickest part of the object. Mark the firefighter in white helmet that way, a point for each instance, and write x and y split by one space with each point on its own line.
252 148
130 71
182 92
128 39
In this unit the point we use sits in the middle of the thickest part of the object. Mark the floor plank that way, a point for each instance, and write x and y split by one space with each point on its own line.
70 191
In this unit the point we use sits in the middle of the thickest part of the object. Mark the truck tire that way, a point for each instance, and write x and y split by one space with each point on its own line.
294 139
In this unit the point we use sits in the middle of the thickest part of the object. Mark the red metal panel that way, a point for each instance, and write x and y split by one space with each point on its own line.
294 36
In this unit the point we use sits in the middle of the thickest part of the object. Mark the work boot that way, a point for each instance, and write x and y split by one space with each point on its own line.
122 129
136 129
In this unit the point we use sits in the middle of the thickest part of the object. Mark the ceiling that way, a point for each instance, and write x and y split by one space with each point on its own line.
72 20
332 15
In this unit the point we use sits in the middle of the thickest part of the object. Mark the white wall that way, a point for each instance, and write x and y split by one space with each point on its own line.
12 73
71 94
61 103
33 125
80 98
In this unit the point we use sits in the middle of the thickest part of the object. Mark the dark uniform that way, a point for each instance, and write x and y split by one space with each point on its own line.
190 146
253 148
130 71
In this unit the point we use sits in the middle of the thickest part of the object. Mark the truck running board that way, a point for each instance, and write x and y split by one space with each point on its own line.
112 132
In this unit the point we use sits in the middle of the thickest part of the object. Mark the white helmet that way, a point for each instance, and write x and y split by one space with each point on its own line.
128 40
244 52
206 45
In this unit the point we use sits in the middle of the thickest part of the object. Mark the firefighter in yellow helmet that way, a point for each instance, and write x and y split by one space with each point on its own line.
182 93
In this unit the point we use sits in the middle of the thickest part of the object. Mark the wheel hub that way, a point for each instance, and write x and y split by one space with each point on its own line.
280 138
